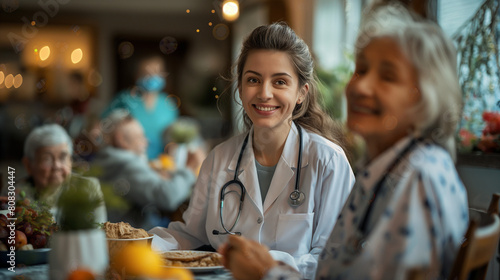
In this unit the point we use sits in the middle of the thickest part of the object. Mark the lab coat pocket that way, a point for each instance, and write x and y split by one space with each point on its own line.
294 233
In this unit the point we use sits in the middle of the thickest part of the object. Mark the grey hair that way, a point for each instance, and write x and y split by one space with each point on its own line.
44 136
109 125
434 58
116 117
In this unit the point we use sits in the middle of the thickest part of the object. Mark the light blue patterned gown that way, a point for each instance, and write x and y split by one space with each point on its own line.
418 219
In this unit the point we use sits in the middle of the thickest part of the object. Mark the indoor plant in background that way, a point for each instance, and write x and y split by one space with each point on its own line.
79 244
185 134
488 141
331 86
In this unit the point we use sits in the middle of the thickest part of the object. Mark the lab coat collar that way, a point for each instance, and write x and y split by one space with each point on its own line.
247 171
285 168
289 155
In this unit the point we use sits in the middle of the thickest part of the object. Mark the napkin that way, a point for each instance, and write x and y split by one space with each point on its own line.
284 257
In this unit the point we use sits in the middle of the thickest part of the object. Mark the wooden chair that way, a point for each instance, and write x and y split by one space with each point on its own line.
479 245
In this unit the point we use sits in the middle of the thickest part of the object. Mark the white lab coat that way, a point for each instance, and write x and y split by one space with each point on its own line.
326 179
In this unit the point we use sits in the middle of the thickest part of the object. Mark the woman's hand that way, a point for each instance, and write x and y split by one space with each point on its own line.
247 259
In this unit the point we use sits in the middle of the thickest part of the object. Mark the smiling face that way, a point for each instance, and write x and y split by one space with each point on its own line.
381 95
269 89
50 167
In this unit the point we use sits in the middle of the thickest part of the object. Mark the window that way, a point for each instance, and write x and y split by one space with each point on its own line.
475 29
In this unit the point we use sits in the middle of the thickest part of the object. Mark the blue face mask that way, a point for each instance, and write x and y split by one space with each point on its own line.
151 83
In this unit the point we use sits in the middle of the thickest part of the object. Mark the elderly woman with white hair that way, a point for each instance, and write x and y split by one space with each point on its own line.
408 209
47 159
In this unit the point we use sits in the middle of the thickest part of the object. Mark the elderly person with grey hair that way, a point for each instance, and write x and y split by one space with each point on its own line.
123 163
47 159
408 209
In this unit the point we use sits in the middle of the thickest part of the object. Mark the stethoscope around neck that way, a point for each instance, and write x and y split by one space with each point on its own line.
295 199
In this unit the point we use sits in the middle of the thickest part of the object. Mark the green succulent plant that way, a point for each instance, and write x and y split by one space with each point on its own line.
76 206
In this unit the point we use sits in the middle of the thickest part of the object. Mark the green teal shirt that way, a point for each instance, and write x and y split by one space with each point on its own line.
265 175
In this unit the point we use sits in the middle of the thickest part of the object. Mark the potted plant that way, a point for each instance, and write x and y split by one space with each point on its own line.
80 243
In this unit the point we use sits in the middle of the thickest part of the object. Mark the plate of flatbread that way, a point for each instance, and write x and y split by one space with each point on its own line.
196 261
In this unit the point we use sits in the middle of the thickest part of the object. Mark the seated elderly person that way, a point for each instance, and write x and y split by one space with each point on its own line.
124 164
47 159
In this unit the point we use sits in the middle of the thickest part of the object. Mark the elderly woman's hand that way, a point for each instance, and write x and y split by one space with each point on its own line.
246 259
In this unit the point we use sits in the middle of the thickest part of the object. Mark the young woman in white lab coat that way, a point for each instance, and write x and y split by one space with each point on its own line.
287 134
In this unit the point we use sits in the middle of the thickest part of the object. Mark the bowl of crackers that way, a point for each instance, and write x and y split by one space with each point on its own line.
119 235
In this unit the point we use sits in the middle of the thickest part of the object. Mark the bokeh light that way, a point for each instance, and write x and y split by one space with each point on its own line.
44 53
10 6
2 77
188 11
33 23
41 85
20 121
174 99
18 80
197 30
214 89
9 81
213 11
125 50
76 56
121 187
220 31
168 45
83 148
210 24
76 29
94 78
230 10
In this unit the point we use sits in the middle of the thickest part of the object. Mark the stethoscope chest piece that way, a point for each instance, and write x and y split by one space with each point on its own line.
296 198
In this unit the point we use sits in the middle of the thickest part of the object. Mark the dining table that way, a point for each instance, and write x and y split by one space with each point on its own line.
41 272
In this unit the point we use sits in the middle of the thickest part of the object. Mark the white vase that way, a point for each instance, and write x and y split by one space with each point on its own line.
81 249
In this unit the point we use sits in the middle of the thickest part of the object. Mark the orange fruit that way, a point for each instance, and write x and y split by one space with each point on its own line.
138 260
80 274
174 273
167 162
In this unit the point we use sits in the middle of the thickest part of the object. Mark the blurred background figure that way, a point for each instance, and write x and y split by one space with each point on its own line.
123 163
148 104
80 98
47 159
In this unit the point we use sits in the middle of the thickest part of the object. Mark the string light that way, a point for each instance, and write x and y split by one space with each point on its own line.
44 53
230 10
76 56
18 80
